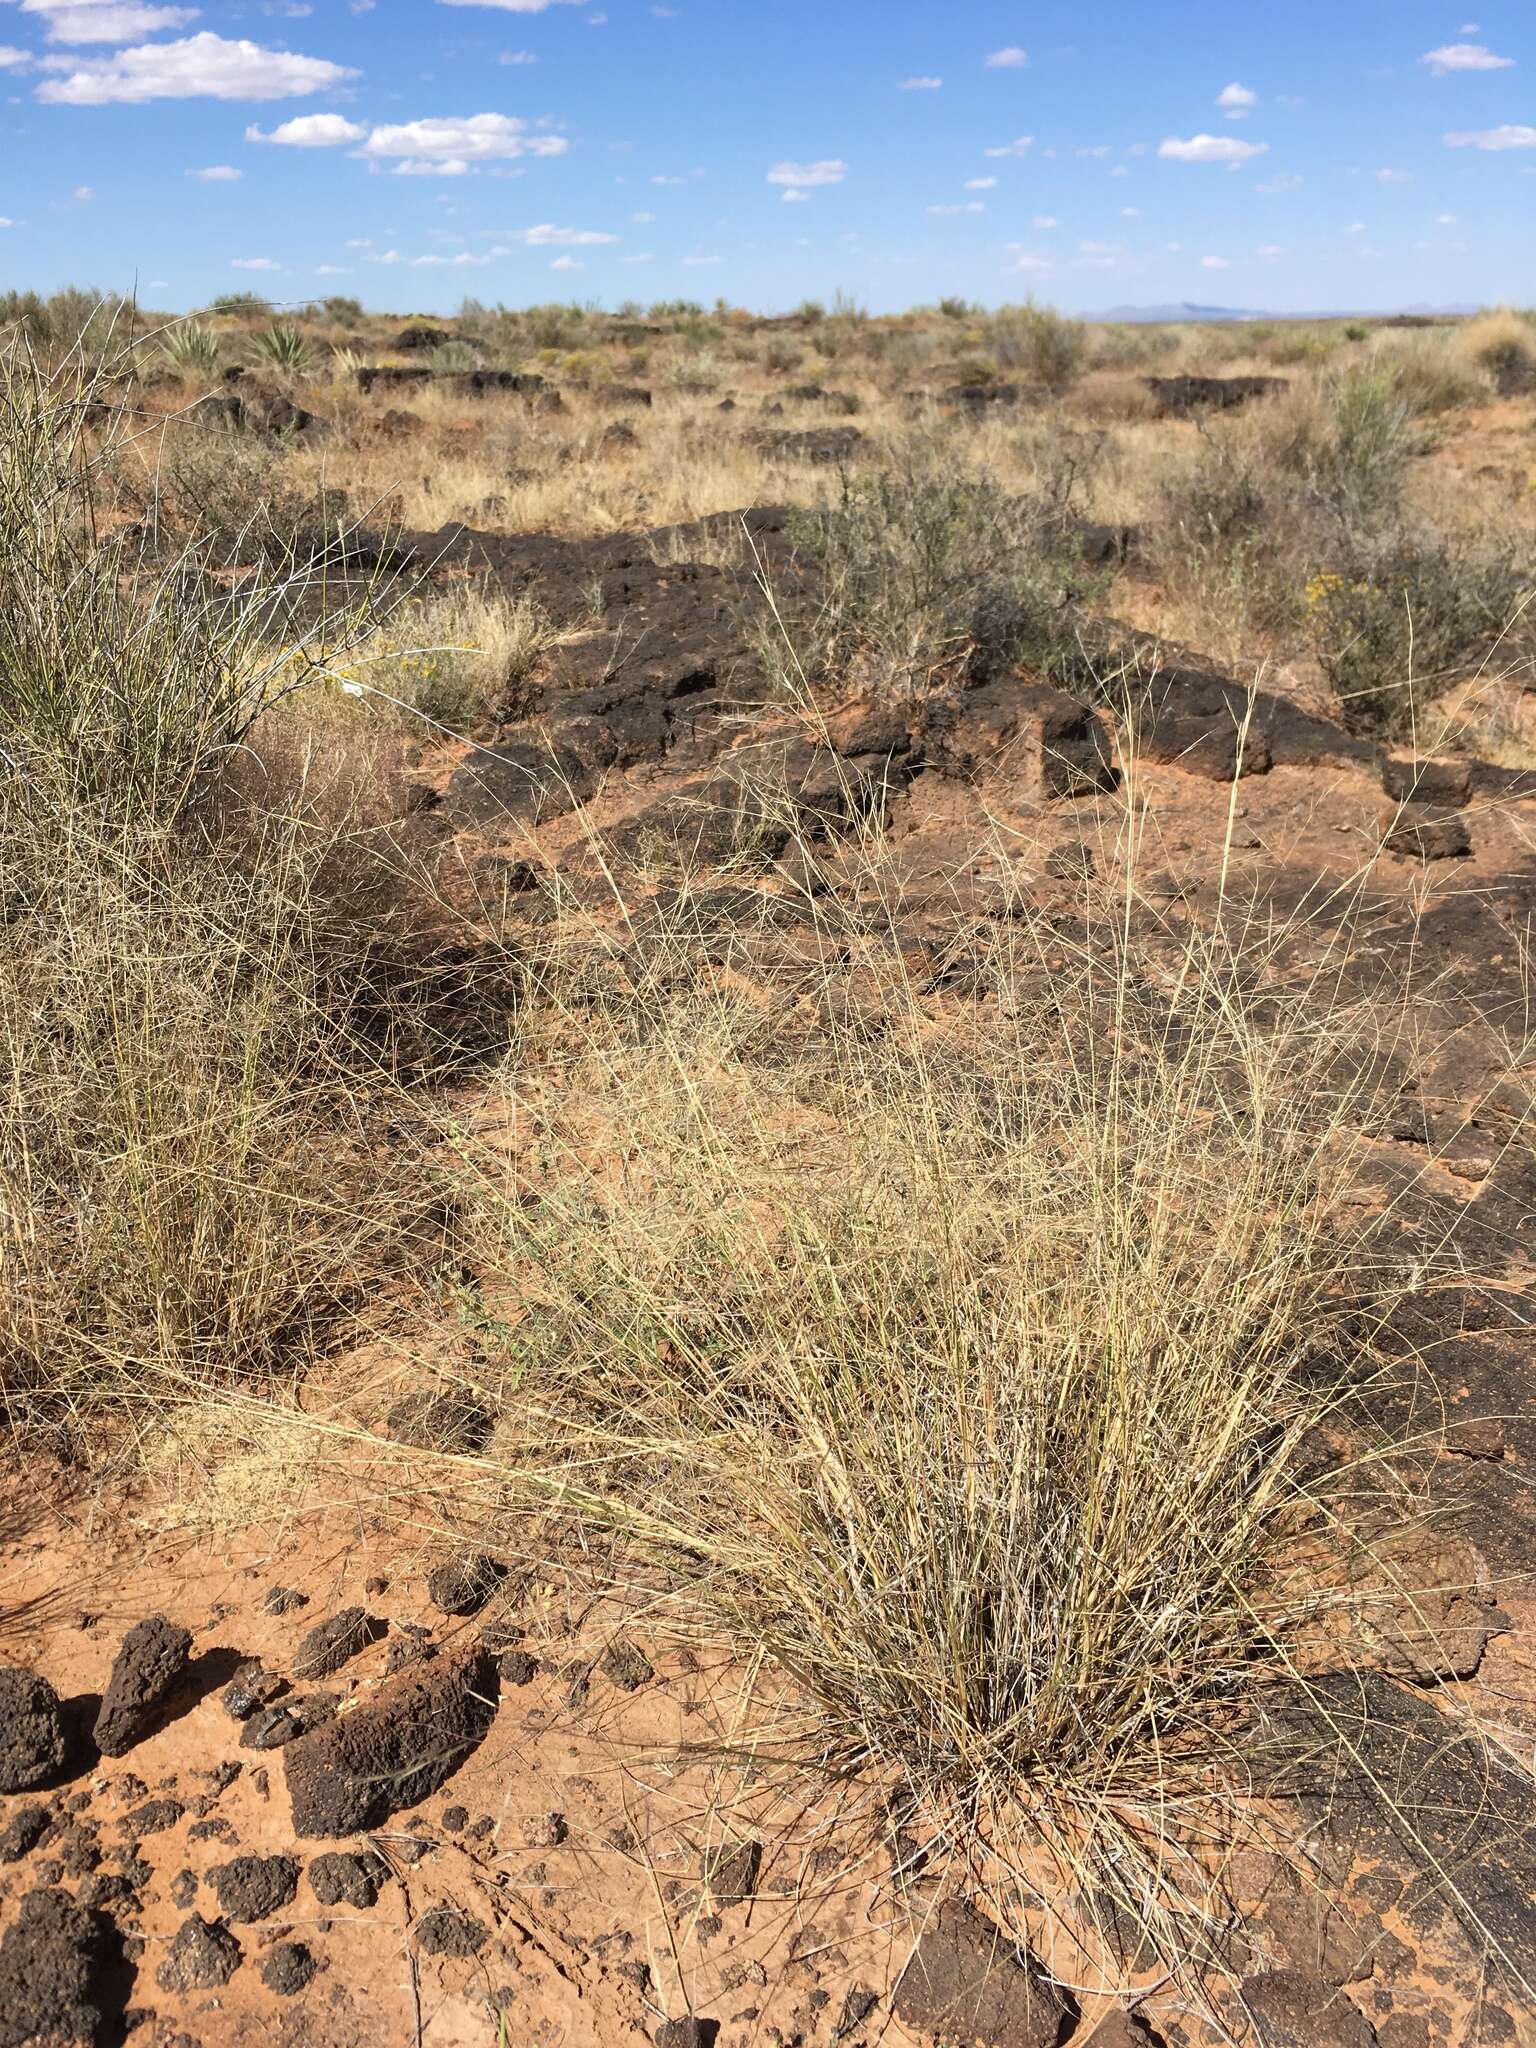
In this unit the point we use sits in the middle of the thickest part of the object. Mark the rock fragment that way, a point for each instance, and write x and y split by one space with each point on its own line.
32 1743
151 1658
353 1772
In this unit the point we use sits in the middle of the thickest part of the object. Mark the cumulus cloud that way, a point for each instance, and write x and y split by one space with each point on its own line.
1010 59
1388 176
203 66
567 263
217 174
1214 263
1210 149
105 21
827 170
700 262
448 146
1046 220
958 206
1027 259
253 263
1237 102
516 57
310 131
979 184
513 6
1464 57
642 218
1445 220
12 59
546 237
919 84
1513 135
1020 146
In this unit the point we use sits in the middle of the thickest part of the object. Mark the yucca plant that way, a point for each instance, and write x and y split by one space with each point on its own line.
282 345
192 345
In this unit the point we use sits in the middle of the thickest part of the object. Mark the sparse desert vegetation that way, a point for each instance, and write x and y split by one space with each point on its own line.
830 1017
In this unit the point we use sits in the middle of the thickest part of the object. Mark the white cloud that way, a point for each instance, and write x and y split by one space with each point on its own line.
700 262
793 196
203 66
6 221
979 184
827 170
1028 259
1010 59
217 174
1214 263
1270 251
546 237
1210 149
1445 220
1098 149
1020 146
516 57
1464 57
1046 220
253 263
12 59
1237 102
919 84
1356 227
1130 213
958 206
332 270
661 179
640 256
642 219
1511 136
1283 181
1388 176
105 21
449 145
567 263
310 131
513 6
360 242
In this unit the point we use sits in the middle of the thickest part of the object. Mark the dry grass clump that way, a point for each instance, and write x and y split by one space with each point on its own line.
205 975
456 656
970 1370
1502 345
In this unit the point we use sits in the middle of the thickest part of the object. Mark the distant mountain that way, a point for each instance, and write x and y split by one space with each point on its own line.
1167 315
1188 314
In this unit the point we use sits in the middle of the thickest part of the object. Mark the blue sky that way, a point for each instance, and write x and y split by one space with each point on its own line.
1294 156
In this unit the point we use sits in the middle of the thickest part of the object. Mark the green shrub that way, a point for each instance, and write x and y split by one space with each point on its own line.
929 574
1048 349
